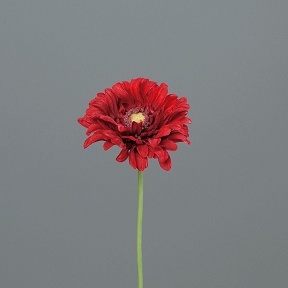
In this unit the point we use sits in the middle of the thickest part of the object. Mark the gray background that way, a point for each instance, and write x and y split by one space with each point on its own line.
68 215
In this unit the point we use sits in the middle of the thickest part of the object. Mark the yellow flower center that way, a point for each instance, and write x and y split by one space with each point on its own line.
137 117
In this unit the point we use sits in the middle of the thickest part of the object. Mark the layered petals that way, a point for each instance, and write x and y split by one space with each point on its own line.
141 118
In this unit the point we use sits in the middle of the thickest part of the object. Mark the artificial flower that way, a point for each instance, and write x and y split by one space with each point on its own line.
141 118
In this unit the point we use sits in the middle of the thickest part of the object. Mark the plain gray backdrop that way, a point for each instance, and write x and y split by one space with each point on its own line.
218 219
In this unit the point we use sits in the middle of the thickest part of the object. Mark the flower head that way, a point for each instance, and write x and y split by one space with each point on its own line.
141 118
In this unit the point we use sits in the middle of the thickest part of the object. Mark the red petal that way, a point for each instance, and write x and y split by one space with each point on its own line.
92 139
83 121
170 103
142 150
154 142
117 141
167 164
111 100
108 119
95 113
123 155
134 88
187 120
107 145
161 154
177 137
150 153
92 128
109 133
146 86
142 162
100 103
164 131
168 145
121 128
161 96
132 158
121 92
136 128
113 137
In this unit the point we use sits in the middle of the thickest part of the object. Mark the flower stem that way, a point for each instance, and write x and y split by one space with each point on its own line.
139 229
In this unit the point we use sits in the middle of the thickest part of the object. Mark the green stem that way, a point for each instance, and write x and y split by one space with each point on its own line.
139 229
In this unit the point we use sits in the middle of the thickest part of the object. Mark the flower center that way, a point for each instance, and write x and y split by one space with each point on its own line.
138 115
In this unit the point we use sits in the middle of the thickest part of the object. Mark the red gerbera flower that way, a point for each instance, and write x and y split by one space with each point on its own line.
139 117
